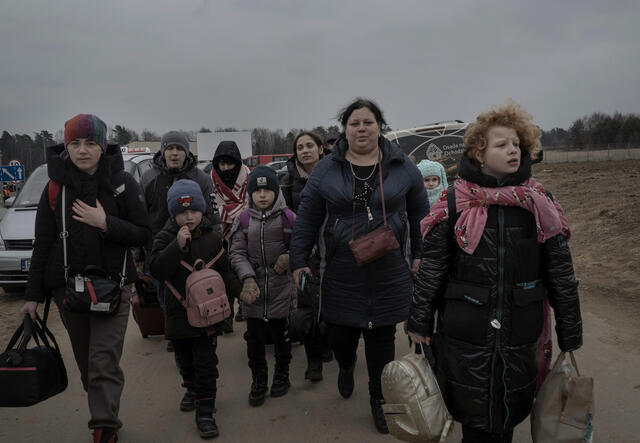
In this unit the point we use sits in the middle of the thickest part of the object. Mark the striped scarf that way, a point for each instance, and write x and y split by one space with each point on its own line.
230 202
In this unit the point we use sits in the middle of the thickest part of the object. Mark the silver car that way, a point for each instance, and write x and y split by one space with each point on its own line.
17 231
17 228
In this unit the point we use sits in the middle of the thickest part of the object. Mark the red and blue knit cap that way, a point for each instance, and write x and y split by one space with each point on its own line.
86 126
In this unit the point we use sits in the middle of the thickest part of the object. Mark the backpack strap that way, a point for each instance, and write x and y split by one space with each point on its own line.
288 219
244 223
53 192
175 292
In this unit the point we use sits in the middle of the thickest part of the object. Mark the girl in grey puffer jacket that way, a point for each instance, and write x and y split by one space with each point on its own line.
260 257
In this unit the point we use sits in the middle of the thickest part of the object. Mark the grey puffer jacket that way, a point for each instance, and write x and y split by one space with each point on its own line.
254 253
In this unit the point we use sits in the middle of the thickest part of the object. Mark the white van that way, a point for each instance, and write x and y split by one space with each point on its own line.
441 142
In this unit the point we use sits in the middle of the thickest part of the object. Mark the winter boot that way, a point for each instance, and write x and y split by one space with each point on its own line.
207 427
281 383
105 436
345 380
259 388
314 370
378 416
188 402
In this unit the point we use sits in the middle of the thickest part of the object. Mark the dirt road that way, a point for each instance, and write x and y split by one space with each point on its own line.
602 204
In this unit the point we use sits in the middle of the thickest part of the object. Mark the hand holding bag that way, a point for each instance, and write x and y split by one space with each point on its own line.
564 407
92 291
378 242
29 376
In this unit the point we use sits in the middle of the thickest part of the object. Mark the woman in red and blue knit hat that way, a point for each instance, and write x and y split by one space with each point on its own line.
103 218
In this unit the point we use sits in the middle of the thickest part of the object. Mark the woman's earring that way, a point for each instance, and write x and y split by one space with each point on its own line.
482 165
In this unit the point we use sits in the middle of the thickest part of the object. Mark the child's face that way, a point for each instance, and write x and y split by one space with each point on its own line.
263 198
431 182
190 218
502 154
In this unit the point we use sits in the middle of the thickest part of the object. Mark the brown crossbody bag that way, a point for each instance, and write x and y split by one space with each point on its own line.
378 242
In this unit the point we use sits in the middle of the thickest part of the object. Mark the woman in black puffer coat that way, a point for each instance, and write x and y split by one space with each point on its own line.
488 282
341 201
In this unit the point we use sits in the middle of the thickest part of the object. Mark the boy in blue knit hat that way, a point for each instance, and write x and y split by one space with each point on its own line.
188 236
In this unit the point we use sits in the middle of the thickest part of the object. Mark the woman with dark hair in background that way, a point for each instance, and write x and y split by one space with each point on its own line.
104 215
307 152
342 201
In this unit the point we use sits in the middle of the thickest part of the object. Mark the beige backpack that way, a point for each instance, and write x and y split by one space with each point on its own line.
414 408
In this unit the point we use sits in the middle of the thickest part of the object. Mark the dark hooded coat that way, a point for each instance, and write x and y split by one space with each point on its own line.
490 309
127 222
165 265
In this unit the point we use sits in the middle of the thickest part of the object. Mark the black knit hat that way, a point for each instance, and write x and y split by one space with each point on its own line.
263 177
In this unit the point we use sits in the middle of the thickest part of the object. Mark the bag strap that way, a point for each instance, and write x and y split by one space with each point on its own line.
64 234
573 361
451 207
175 292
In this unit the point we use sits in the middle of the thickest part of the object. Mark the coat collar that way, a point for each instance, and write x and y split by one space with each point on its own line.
469 171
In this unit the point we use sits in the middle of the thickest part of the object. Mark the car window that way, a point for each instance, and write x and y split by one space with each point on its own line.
30 194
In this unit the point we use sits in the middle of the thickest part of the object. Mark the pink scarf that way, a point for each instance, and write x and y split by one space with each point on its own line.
473 200
230 202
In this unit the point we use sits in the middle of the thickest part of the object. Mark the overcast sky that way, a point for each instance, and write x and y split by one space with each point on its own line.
287 64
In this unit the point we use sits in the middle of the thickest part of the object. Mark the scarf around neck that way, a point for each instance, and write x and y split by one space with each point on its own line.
472 202
230 201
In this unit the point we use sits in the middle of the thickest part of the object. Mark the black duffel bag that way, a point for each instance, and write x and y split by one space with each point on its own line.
29 376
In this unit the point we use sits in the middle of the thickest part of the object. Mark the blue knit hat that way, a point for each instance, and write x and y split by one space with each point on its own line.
185 194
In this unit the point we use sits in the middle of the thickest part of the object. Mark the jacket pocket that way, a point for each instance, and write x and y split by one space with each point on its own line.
527 315
466 312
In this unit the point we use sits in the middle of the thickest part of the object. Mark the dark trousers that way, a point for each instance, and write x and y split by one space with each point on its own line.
473 435
259 332
198 364
379 349
313 341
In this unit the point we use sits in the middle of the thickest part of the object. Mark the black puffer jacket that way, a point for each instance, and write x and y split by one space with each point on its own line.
157 181
127 223
490 312
377 294
165 264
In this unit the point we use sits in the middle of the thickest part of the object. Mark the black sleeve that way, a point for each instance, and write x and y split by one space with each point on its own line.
46 232
135 230
562 288
165 255
432 279
285 187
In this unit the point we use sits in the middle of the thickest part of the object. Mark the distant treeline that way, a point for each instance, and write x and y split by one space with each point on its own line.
595 129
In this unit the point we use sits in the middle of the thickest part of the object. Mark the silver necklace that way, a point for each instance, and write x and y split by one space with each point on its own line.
363 179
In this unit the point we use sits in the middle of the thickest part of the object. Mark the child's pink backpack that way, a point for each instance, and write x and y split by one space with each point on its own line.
206 297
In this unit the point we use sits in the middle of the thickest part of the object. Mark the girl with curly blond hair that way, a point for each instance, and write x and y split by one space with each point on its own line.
489 272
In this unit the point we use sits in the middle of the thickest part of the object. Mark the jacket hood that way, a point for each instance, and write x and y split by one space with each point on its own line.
279 205
158 161
227 149
469 171
59 164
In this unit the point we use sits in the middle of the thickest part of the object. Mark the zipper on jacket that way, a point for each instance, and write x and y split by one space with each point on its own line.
496 323
266 266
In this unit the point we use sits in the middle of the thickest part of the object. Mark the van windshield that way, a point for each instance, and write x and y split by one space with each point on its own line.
30 194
